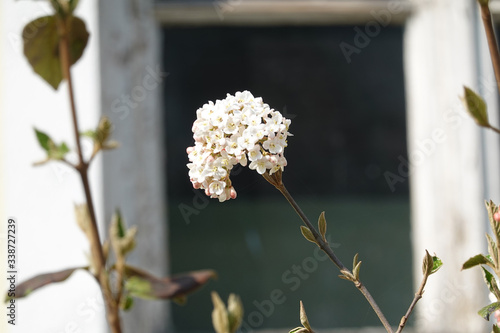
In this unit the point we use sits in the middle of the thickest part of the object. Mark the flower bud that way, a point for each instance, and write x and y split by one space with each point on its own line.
496 216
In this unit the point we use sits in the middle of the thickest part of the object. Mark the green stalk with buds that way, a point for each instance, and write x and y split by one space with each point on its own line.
242 129
52 44
477 109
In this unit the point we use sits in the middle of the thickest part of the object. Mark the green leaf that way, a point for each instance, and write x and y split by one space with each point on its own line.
179 300
126 303
495 225
492 250
73 4
27 287
355 260
476 107
58 152
89 134
355 270
170 287
41 46
139 287
44 140
346 275
122 239
427 264
220 320
64 7
496 329
479 259
299 330
491 282
103 130
54 152
437 264
488 310
303 317
322 225
119 222
307 234
234 312
101 135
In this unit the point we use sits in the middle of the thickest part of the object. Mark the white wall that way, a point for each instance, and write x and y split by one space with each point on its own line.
41 198
452 171
134 175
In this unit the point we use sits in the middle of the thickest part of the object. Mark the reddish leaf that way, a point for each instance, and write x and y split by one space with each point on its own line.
28 286
170 287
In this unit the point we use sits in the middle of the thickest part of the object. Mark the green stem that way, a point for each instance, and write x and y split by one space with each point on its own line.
418 296
275 180
492 42
82 168
494 129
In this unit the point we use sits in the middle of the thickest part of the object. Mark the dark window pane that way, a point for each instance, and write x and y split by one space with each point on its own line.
348 122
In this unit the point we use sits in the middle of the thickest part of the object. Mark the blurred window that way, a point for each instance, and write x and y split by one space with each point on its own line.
348 121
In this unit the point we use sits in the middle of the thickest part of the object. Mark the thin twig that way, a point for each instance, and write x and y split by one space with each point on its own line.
328 250
418 296
94 154
494 129
492 42
82 168
120 268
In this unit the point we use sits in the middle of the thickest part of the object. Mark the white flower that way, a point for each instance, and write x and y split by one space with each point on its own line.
258 131
247 140
273 145
217 188
261 165
231 126
230 132
242 159
232 146
278 163
254 154
214 171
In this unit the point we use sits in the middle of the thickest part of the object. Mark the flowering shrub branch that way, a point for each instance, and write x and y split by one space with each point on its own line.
243 128
233 131
118 281
477 109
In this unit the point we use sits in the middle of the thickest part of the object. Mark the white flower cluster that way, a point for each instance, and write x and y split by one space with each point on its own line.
234 130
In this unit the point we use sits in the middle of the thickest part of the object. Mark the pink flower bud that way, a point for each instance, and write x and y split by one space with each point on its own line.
496 216
497 315
189 150
233 193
